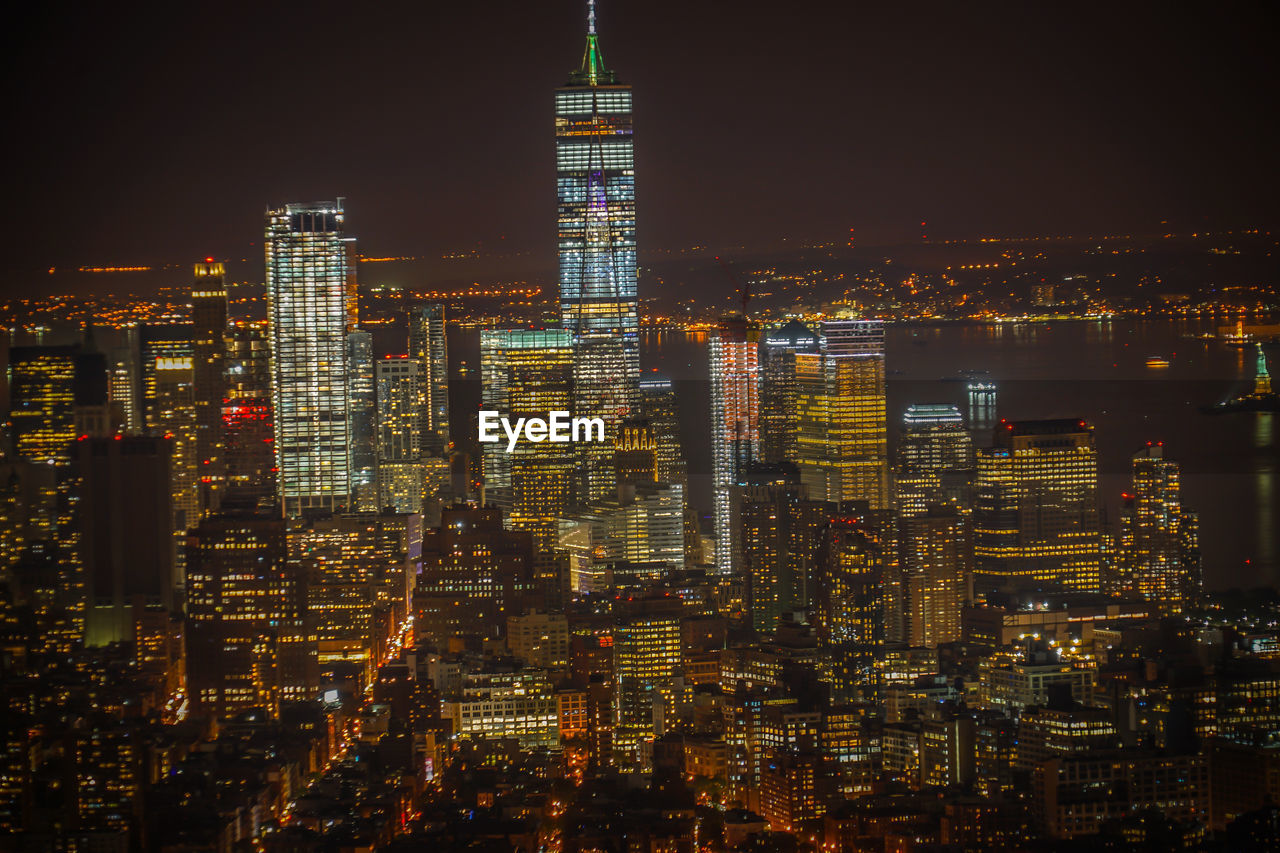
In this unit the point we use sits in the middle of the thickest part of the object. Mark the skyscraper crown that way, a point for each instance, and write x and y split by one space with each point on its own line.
592 72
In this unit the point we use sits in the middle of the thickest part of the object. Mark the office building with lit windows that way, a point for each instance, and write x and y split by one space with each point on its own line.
735 426
934 461
530 373
936 567
429 348
850 605
362 413
595 186
1157 546
48 386
648 653
208 351
250 641
400 474
311 305
842 432
248 433
1036 520
779 423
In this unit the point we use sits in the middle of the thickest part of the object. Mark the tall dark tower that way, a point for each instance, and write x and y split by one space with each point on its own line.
595 184
209 324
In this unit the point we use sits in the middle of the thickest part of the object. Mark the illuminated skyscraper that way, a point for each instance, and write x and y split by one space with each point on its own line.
250 642
781 532
779 422
209 324
595 183
1158 552
529 373
658 405
399 421
248 433
47 385
1036 517
311 305
842 437
362 413
160 346
850 605
735 419
648 652
937 560
428 346
935 460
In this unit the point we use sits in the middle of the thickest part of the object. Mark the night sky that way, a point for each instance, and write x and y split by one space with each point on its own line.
151 135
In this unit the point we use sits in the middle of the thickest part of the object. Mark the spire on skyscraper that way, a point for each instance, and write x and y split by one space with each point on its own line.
592 72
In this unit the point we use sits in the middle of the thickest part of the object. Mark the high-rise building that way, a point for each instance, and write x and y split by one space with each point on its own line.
250 641
247 425
936 564
779 423
1158 556
126 522
658 405
850 607
735 425
1036 518
474 575
428 346
360 571
529 373
160 347
173 415
399 431
781 534
208 350
842 435
935 460
47 387
648 653
362 414
595 182
311 305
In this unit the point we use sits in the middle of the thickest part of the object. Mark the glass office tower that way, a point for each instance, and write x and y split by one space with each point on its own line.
735 425
595 183
311 303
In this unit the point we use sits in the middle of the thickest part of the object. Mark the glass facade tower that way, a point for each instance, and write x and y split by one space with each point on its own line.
311 296
595 184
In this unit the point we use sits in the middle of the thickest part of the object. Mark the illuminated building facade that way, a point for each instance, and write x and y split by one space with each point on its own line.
250 641
1036 518
530 373
247 425
47 385
735 426
208 350
648 651
935 460
311 305
850 606
658 405
842 434
1158 548
362 413
398 434
475 574
778 414
173 415
936 565
781 532
429 348
360 570
595 184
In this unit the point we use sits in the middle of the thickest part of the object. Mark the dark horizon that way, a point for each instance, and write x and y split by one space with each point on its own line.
993 120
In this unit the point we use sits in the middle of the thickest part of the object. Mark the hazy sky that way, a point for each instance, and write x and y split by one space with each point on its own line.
151 134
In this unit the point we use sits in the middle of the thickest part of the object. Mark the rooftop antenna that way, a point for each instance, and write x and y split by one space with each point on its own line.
591 17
